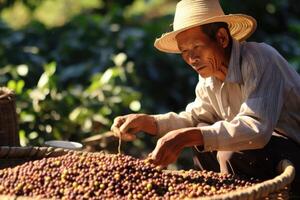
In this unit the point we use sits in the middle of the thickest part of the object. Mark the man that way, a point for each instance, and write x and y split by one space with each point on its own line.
245 118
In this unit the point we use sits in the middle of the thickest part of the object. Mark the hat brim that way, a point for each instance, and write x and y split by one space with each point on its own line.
240 26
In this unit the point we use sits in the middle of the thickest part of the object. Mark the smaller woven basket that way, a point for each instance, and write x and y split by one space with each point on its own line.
9 135
276 188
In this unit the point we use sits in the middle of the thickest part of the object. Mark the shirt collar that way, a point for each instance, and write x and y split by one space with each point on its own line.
208 82
234 68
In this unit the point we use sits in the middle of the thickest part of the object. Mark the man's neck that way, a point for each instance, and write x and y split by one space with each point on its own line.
221 74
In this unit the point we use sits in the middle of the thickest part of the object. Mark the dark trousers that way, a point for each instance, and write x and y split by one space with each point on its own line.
258 163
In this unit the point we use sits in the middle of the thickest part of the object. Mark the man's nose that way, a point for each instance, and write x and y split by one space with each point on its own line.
193 58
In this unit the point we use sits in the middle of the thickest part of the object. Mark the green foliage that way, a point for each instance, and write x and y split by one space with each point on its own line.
50 111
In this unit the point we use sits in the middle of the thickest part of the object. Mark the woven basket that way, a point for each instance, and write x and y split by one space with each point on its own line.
276 188
8 118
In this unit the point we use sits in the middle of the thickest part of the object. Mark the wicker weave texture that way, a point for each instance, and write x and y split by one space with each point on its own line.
8 119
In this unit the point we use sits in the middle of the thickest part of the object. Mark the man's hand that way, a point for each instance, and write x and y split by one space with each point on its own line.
127 126
170 145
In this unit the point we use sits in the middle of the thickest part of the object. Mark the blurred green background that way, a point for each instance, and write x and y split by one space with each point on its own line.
76 64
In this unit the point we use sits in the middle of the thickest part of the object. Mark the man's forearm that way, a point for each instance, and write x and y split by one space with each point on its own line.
185 137
150 125
191 137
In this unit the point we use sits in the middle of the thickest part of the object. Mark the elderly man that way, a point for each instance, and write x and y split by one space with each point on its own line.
246 115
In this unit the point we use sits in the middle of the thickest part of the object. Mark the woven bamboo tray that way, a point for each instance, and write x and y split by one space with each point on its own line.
9 134
276 188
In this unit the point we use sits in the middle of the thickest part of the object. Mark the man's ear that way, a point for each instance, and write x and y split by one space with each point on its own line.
222 37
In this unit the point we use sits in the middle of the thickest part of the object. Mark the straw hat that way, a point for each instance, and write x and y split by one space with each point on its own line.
191 13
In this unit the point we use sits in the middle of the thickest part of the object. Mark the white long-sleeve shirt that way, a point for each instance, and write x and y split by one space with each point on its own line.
261 93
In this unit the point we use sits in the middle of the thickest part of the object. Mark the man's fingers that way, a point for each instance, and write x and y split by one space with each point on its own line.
126 126
123 136
118 121
163 161
116 131
163 155
155 156
128 130
115 128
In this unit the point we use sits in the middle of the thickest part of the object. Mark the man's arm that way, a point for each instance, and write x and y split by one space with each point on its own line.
170 145
199 111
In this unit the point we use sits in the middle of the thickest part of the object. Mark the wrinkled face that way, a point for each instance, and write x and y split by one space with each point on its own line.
204 55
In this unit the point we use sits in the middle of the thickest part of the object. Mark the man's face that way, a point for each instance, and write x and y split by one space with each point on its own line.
204 55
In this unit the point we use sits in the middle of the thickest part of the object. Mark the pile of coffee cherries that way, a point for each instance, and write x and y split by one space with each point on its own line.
81 175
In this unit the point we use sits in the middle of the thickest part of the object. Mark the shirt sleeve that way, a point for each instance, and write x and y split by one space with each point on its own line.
198 112
252 127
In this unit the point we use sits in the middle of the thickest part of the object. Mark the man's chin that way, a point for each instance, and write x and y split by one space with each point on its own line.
203 75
